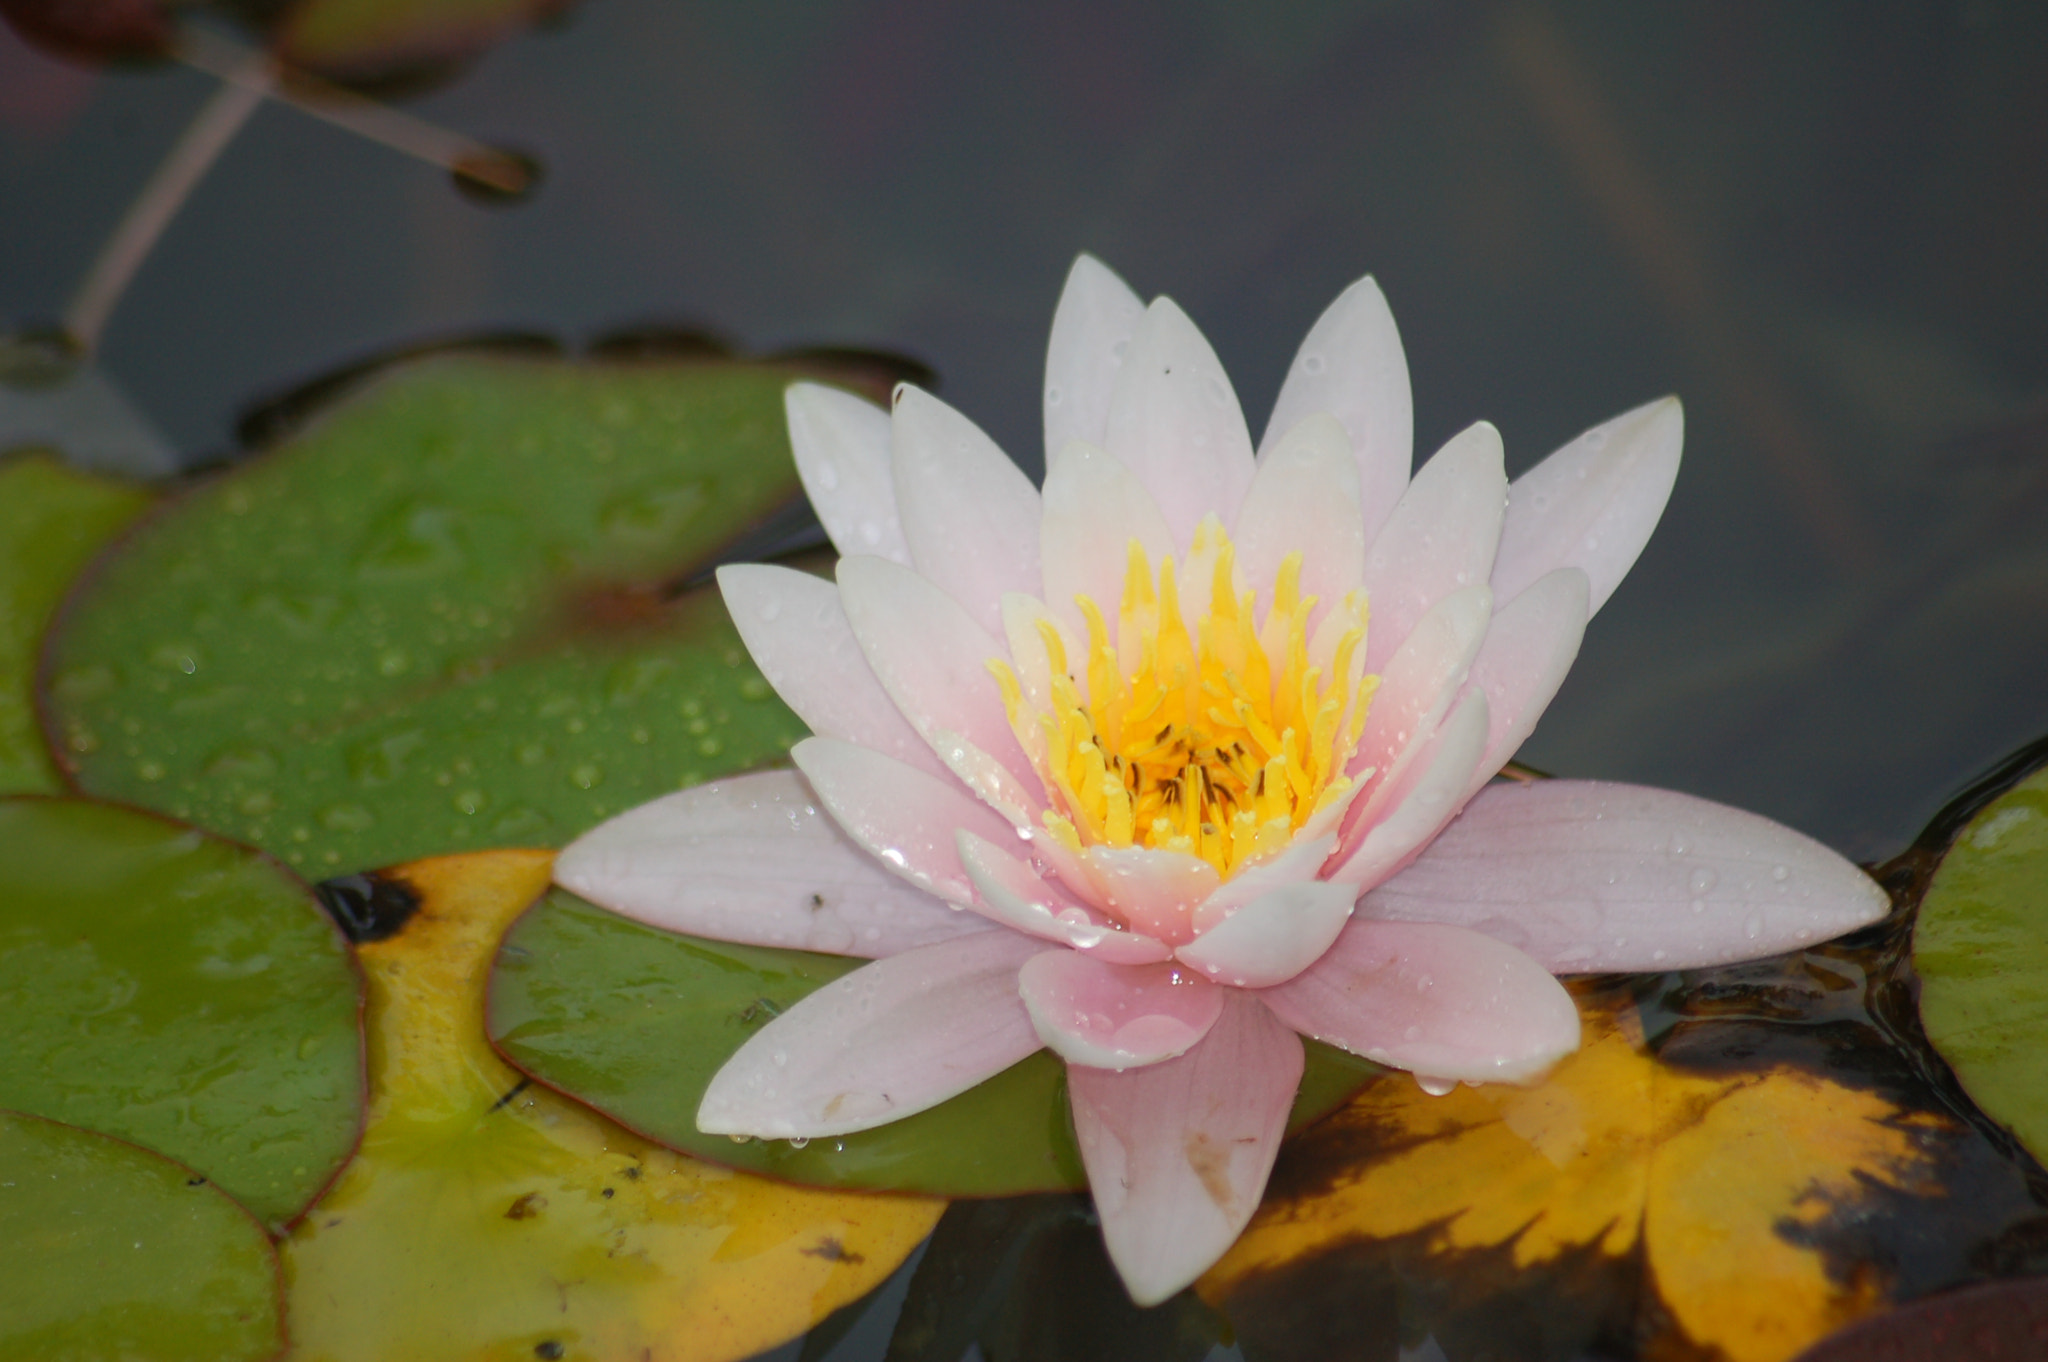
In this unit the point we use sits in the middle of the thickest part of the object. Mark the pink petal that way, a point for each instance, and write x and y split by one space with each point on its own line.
970 515
841 444
1440 537
751 859
902 817
1438 1001
1175 423
1304 498
1593 503
1418 685
1590 876
1152 890
1178 1153
884 1042
990 781
798 634
1529 647
1274 937
1094 508
1091 334
1351 366
931 658
1115 1016
1436 791
1296 863
1011 893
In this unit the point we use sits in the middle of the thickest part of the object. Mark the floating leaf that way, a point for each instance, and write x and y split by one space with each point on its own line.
1980 946
440 618
178 991
110 1251
52 519
485 1217
634 1021
1991 1322
1698 1211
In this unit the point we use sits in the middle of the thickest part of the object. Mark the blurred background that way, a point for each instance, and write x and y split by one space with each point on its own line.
1824 225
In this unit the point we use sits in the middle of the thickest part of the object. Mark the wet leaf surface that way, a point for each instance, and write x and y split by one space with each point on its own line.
635 1021
1991 1322
1764 1167
110 1251
177 991
488 1217
444 616
52 519
1980 947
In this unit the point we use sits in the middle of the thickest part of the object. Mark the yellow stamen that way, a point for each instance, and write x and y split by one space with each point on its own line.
1209 736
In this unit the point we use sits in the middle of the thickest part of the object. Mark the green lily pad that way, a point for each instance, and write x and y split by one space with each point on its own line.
1980 947
446 616
110 1251
52 519
634 1021
177 991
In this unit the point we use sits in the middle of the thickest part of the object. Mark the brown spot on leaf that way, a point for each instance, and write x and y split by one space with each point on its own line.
527 1207
832 1251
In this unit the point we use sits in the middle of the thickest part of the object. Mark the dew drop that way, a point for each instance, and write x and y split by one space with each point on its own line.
587 776
770 609
1753 926
1780 873
741 1139
1435 1087
1412 1033
1703 879
1313 364
799 1141
1053 395
779 1058
1678 846
827 474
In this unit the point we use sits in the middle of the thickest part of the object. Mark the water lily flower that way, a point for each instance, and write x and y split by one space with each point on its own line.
1186 755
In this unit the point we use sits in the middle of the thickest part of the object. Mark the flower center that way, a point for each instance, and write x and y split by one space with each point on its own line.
1212 735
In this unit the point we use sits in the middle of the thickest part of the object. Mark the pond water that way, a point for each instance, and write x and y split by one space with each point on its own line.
1820 225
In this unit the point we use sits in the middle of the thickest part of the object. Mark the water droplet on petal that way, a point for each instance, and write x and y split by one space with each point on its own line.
1435 1087
1753 926
1313 364
1703 879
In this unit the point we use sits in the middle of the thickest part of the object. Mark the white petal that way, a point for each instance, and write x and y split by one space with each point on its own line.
1274 937
969 515
1593 503
752 859
1175 423
887 1041
1418 684
1115 1016
798 634
1012 893
1529 647
1178 1153
1094 508
1304 498
1296 863
1351 366
990 781
1151 890
1437 1001
1589 876
841 444
1437 790
902 817
1091 335
931 657
1440 537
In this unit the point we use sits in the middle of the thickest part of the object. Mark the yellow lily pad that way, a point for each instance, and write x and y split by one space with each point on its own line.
486 1217
1701 1198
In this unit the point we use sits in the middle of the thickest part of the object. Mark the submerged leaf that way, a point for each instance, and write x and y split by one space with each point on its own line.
52 519
444 616
485 1216
177 991
110 1251
635 1021
373 38
1696 1210
1980 946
